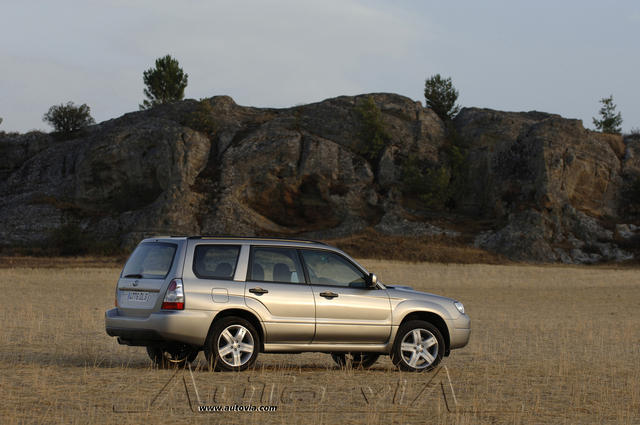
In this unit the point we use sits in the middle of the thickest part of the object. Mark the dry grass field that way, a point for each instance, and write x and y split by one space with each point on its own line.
549 345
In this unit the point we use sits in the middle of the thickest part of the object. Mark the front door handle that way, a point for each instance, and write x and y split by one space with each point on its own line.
328 294
258 291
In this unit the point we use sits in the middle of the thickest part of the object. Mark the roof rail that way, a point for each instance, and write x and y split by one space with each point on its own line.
264 238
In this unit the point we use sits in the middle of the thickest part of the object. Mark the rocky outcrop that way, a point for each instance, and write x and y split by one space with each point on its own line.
538 187
116 180
555 186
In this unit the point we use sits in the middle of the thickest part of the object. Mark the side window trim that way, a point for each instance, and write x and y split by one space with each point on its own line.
195 257
250 265
243 263
307 279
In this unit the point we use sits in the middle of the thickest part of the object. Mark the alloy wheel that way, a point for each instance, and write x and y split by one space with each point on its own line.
419 348
235 345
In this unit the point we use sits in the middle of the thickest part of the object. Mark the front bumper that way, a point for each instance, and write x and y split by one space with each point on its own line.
461 332
186 326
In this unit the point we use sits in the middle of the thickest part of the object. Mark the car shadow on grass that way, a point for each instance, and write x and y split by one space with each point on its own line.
140 362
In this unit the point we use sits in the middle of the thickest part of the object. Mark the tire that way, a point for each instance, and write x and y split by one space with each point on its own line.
168 356
233 345
419 347
355 360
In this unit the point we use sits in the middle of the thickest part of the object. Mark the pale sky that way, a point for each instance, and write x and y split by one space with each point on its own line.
553 56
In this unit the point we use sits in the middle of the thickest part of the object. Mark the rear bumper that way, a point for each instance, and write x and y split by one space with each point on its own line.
461 332
186 326
137 337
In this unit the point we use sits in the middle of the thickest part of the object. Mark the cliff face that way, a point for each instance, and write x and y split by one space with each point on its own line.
555 186
543 187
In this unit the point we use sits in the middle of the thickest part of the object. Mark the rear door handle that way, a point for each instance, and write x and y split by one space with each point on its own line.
328 294
258 291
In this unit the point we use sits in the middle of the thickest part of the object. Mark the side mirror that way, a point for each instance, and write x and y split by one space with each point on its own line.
373 280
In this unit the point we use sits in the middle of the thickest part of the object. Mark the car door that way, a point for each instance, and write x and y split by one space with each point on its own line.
347 311
277 291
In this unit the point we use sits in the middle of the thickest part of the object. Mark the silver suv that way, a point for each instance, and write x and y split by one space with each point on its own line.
237 297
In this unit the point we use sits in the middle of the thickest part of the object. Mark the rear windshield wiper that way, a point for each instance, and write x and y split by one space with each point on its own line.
136 275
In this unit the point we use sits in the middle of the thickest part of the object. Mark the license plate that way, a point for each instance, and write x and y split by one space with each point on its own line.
138 297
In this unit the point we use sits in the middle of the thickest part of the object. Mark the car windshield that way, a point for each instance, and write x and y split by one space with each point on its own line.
150 261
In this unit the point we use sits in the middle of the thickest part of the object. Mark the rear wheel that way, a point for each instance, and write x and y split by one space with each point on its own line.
419 346
233 345
165 356
355 360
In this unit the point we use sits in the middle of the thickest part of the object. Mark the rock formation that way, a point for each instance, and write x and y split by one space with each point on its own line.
535 186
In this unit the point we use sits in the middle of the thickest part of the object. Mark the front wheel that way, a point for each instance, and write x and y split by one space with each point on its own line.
355 360
233 345
419 346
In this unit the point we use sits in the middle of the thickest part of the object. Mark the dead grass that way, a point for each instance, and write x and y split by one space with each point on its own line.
12 261
436 249
549 345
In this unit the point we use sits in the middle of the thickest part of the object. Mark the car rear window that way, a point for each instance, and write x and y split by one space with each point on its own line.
150 260
215 261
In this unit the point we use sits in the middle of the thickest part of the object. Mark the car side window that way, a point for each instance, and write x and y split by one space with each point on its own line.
328 268
275 265
215 261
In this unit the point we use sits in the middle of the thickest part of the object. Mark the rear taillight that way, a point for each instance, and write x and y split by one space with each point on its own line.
174 299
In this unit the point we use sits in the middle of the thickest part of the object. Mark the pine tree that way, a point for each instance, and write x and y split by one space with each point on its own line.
610 121
165 83
441 96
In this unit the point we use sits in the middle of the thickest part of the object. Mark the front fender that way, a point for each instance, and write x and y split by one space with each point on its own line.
403 308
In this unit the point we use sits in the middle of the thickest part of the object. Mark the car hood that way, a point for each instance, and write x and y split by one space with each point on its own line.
408 293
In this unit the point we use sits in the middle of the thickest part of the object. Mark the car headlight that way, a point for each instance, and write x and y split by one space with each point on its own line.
459 306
